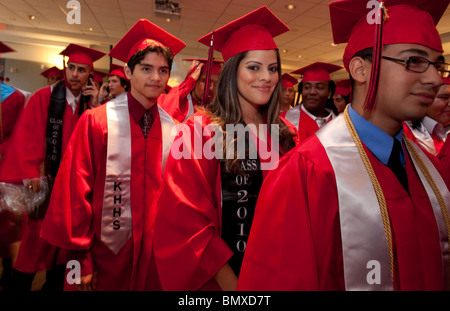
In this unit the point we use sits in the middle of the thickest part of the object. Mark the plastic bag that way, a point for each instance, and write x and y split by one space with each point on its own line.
19 198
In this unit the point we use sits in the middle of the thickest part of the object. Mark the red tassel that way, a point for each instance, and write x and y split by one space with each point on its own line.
372 92
208 72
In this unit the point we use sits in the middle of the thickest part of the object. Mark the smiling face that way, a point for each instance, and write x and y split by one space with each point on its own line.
257 77
403 94
149 78
314 97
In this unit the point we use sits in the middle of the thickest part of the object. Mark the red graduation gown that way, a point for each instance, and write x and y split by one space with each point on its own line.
295 242
179 110
306 125
23 159
444 156
188 246
11 107
73 221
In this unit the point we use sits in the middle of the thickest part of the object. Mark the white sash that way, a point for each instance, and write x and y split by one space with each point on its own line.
443 237
167 124
191 109
293 115
116 227
363 237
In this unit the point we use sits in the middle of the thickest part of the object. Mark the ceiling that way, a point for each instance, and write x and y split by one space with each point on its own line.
104 22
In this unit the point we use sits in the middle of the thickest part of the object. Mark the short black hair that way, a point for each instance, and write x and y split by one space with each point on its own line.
140 55
124 83
330 103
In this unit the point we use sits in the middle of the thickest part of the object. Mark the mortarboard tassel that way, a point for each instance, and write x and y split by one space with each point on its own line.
376 60
208 71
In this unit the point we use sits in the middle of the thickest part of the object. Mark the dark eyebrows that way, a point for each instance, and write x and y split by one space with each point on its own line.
259 63
416 51
151 66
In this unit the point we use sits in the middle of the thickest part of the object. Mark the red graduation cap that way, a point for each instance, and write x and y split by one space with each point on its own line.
288 80
82 55
117 70
343 87
99 75
142 35
408 21
5 48
317 71
253 31
215 68
446 80
53 72
403 21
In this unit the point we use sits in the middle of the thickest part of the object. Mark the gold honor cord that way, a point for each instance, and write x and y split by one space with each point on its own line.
436 191
377 188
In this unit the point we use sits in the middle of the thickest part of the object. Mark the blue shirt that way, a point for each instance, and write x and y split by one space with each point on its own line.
379 142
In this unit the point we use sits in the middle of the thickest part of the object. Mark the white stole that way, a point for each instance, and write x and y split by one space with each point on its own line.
293 115
117 225
363 238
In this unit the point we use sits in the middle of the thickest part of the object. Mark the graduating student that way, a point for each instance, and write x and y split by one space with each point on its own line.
334 215
316 108
207 203
117 84
12 102
342 95
38 142
288 92
104 205
192 88
53 75
431 132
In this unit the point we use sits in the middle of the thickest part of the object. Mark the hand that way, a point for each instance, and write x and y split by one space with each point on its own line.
195 70
34 185
92 91
88 283
103 91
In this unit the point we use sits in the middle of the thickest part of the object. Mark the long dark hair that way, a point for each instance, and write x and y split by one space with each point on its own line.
225 107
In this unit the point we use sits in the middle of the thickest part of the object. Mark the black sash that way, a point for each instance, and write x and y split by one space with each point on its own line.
54 129
54 141
239 195
55 126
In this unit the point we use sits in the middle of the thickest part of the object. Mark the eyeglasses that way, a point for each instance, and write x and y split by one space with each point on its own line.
420 64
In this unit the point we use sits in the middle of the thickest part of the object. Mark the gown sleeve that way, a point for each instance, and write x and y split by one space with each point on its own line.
188 247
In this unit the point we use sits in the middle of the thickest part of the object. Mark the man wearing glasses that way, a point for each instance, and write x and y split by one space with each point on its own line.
358 206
